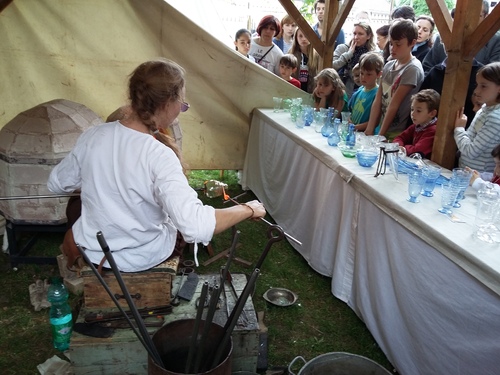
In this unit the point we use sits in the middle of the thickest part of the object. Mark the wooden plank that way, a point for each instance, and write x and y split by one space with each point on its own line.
4 4
483 33
122 353
303 25
153 285
331 11
442 17
456 81
338 21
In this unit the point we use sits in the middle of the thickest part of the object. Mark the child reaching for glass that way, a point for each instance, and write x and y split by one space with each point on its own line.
330 91
478 180
419 137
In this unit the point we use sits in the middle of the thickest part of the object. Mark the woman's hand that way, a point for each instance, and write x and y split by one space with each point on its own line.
352 47
258 210
460 119
227 217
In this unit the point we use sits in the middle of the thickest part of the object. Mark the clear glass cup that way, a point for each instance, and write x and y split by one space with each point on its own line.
295 112
297 101
415 185
319 121
345 116
392 155
277 103
286 104
449 194
461 177
430 173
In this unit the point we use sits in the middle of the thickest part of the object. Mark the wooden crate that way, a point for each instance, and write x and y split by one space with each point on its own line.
148 288
123 354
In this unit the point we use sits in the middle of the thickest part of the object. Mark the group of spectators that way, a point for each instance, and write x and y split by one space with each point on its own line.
391 84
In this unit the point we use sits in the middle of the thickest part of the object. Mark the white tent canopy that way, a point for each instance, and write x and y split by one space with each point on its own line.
84 51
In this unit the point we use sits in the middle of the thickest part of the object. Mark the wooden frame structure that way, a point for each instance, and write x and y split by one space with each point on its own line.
463 37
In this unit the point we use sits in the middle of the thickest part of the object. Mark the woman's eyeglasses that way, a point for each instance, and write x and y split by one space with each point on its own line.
184 106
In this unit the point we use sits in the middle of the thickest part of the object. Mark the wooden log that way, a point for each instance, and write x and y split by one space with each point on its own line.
456 81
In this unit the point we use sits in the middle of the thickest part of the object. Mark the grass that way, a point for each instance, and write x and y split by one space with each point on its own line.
319 323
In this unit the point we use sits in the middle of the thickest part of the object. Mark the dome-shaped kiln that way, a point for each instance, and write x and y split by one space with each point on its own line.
31 144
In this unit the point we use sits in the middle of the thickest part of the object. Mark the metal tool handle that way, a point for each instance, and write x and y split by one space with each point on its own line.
233 319
113 298
140 323
275 234
194 337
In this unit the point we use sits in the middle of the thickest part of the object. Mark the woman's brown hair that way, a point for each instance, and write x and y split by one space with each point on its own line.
152 85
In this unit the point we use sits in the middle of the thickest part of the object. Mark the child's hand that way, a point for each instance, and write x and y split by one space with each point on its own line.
460 119
475 175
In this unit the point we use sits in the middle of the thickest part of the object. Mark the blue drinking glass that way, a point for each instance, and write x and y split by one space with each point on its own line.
430 175
307 115
461 177
415 185
448 196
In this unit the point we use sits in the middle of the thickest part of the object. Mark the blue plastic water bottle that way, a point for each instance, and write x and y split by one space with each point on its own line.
60 316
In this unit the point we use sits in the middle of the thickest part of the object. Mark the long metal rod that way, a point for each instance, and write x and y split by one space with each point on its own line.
272 239
214 299
232 249
16 197
138 320
269 223
233 319
206 327
112 296
194 337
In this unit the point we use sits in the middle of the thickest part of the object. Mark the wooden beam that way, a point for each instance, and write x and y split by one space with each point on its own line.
442 17
293 12
331 11
456 81
483 33
4 4
339 21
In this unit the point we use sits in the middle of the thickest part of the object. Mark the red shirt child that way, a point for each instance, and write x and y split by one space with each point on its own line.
419 137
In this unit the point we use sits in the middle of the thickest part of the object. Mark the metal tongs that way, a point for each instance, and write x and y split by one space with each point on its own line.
141 331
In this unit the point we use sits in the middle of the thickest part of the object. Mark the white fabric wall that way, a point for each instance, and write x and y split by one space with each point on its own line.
84 50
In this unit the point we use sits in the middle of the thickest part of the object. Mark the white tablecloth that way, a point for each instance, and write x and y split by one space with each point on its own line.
428 291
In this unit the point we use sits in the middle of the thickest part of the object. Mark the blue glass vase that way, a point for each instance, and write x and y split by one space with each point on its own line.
350 139
334 137
327 129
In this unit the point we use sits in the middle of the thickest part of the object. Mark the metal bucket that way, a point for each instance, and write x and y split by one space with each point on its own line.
172 342
339 363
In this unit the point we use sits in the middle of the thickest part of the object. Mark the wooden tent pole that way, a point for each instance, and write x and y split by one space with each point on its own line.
456 80
332 23
4 4
293 12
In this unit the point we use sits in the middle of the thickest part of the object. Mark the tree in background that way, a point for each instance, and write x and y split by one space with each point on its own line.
420 6
307 11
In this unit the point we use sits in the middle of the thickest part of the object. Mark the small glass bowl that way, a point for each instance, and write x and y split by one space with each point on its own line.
366 158
347 151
